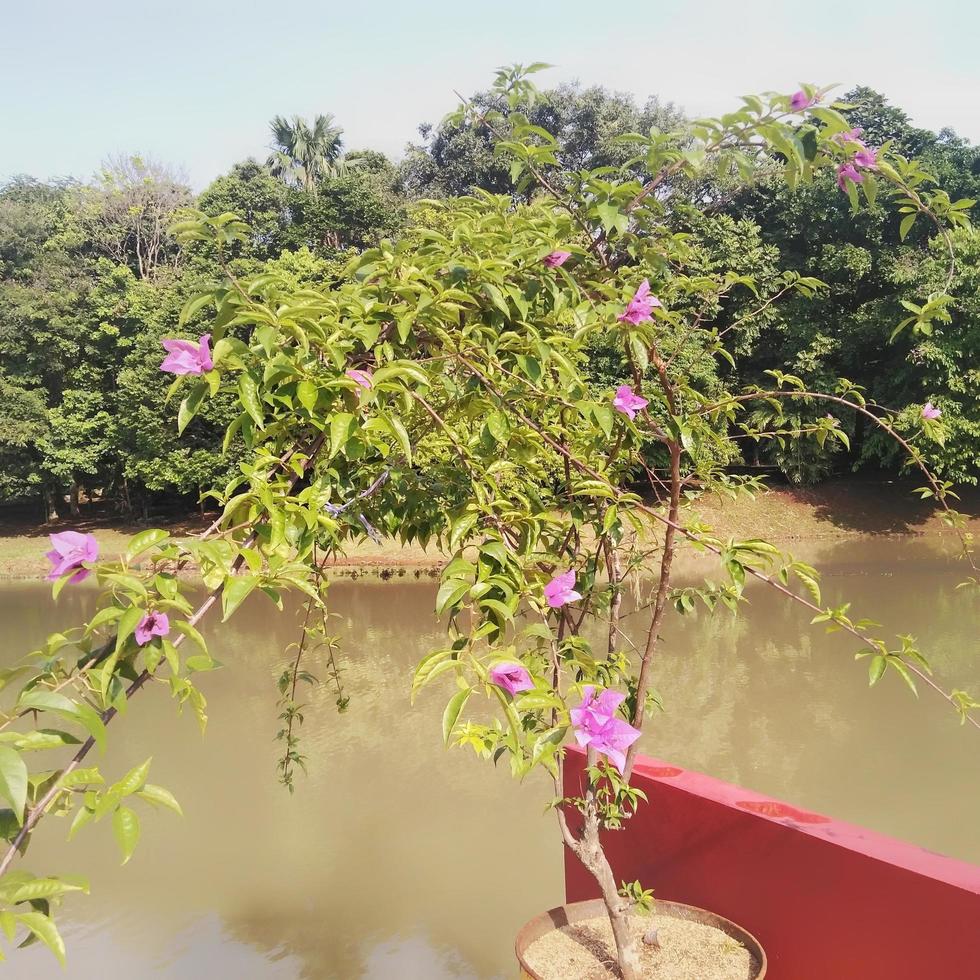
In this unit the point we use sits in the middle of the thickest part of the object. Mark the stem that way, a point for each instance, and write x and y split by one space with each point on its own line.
660 604
593 857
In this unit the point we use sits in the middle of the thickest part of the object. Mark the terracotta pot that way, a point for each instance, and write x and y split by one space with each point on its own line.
577 911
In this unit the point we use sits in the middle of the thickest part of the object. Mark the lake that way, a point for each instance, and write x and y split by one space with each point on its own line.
396 858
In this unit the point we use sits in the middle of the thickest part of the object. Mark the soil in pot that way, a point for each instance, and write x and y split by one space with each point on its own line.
586 950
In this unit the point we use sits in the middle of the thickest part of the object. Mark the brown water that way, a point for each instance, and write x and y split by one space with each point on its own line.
398 859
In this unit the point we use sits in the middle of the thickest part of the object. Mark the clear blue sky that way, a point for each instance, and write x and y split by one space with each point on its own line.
194 84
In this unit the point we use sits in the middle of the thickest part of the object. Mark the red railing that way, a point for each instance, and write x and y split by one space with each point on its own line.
828 900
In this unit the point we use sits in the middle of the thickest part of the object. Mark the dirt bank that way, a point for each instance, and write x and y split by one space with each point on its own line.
851 508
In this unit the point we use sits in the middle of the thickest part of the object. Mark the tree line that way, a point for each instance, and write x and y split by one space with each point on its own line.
91 279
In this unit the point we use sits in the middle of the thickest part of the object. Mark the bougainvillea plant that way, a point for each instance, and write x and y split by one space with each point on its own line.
445 392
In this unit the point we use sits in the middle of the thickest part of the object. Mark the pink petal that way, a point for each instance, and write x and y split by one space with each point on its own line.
204 352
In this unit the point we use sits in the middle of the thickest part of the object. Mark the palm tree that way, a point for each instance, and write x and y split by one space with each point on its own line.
302 155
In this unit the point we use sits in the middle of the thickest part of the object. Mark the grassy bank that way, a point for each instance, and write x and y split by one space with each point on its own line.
835 510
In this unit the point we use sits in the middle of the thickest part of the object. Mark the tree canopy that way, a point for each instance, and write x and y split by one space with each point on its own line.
91 277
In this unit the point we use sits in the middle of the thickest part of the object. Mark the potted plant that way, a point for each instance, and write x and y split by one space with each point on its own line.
538 383
598 361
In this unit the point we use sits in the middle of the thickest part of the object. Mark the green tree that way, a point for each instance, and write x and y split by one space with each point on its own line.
251 192
302 154
586 122
869 268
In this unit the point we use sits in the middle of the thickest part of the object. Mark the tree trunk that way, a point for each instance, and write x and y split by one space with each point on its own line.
617 907
73 507
55 501
857 443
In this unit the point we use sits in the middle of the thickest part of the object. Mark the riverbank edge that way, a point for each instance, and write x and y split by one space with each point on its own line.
785 516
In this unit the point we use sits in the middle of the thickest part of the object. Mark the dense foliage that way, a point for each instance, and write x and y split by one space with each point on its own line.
90 279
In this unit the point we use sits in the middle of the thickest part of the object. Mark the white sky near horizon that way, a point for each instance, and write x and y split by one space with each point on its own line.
193 84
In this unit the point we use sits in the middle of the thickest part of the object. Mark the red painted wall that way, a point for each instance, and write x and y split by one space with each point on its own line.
827 900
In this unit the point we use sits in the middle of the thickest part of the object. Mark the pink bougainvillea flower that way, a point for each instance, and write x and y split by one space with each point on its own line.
186 357
866 157
929 411
640 307
596 725
800 100
627 402
363 378
556 259
848 136
152 624
69 550
847 171
511 676
561 590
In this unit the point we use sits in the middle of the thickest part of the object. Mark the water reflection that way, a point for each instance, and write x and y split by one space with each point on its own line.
389 860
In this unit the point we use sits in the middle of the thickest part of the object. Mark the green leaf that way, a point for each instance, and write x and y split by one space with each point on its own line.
429 667
495 550
45 888
611 217
401 434
133 781
538 701
398 370
232 431
450 592
461 528
83 817
496 297
192 634
145 540
160 797
237 588
44 928
126 828
307 393
604 416
190 405
248 392
906 226
128 622
340 425
13 780
43 700
40 739
193 305
108 614
82 777
498 607
451 714
90 720
498 428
